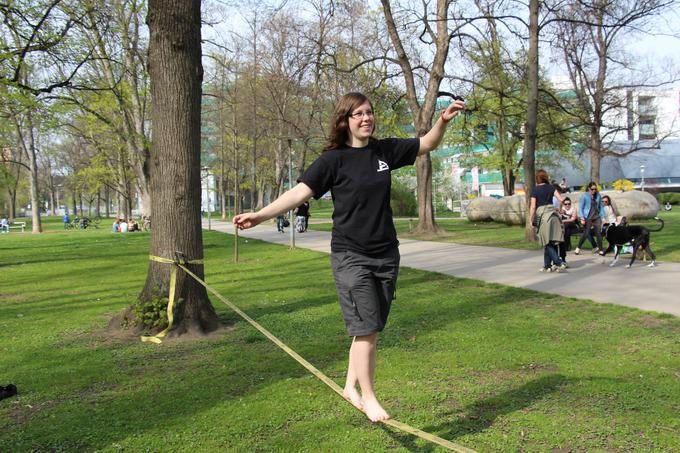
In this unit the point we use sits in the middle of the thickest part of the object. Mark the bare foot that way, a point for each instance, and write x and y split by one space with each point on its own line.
351 395
374 411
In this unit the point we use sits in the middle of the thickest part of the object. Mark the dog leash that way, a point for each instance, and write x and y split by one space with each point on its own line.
180 262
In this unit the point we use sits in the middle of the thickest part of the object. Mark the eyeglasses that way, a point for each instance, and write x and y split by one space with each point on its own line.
593 189
567 204
360 115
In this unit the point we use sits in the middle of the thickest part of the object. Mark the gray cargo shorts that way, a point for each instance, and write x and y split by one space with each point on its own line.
366 286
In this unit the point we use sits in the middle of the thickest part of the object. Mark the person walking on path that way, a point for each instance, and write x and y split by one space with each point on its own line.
356 168
303 211
590 211
543 213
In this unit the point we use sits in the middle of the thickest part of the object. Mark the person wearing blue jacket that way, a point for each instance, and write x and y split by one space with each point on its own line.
590 211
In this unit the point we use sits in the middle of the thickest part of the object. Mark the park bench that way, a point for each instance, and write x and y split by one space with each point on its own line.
17 225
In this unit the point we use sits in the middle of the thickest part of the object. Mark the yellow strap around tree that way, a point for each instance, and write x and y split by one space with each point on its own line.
171 296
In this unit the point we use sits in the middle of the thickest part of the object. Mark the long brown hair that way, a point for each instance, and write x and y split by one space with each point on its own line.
542 177
339 132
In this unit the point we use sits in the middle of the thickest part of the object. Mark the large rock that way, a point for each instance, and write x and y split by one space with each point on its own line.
510 210
634 204
481 208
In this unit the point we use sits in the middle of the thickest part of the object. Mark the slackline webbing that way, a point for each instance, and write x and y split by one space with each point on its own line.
311 368
171 297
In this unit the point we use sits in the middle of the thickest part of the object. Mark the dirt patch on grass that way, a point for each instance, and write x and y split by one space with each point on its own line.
114 333
14 297
23 413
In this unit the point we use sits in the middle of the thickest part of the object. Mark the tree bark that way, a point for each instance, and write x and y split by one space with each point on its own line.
176 75
422 114
529 151
595 154
31 153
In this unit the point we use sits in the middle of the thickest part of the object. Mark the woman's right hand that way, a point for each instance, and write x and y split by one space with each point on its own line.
246 220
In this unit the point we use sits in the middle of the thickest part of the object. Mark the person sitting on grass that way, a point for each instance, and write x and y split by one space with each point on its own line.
133 225
356 168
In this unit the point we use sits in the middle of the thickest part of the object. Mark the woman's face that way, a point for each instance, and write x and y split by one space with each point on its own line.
361 123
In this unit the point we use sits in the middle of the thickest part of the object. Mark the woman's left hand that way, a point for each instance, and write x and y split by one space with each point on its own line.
452 110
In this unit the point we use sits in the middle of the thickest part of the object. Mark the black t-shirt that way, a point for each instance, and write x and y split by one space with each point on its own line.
543 193
302 210
359 181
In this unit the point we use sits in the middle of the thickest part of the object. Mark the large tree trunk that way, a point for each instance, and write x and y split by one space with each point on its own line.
595 154
529 151
176 76
422 114
426 222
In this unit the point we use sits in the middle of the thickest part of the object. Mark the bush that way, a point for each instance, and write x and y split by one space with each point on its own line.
152 313
623 185
403 200
672 197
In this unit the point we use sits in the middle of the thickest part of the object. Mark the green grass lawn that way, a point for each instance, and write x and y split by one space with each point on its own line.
487 366
666 243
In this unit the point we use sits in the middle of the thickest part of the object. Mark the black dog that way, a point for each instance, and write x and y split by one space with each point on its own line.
638 236
6 392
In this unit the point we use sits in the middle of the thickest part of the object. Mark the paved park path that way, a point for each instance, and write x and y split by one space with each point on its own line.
589 276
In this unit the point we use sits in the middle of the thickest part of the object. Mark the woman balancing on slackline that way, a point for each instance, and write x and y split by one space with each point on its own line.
356 167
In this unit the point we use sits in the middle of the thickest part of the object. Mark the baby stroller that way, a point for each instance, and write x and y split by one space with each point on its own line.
300 224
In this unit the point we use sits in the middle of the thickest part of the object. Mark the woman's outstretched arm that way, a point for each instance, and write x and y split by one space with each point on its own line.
289 200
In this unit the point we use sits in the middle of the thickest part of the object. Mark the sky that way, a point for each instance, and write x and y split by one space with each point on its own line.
655 48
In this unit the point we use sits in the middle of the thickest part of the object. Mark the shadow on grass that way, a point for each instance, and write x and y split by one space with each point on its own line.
482 414
140 394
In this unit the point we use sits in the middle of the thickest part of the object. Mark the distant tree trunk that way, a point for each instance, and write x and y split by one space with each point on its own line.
28 143
12 191
12 203
529 151
595 154
176 75
508 182
107 200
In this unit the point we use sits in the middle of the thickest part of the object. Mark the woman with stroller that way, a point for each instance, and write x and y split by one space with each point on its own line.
356 168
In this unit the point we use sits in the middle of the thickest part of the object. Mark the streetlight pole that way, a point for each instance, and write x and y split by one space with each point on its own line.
290 186
642 176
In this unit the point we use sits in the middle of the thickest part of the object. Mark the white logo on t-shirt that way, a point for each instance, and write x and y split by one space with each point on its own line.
382 166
